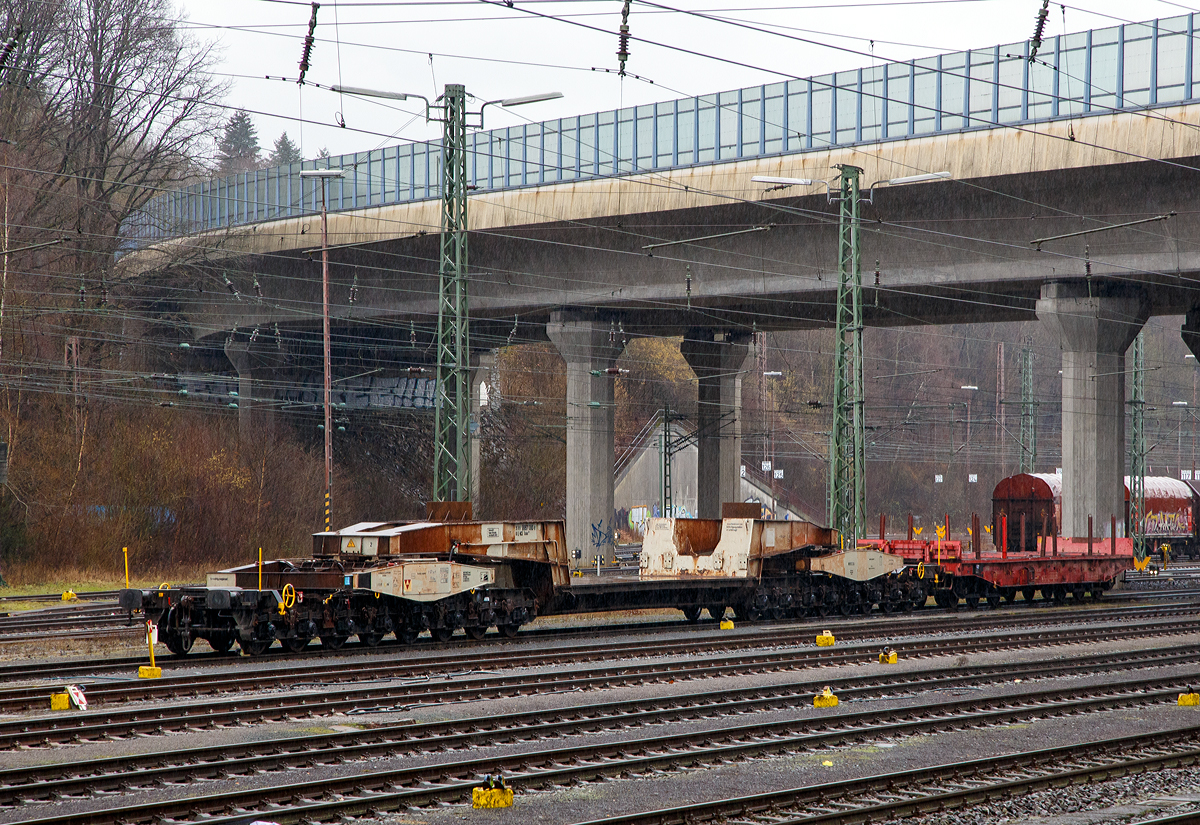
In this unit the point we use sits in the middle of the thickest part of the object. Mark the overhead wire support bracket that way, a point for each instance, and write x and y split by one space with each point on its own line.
1039 241
764 228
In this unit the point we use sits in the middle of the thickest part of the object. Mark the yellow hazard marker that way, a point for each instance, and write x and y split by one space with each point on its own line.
1189 700
62 701
491 797
825 639
888 656
825 699
493 793
726 624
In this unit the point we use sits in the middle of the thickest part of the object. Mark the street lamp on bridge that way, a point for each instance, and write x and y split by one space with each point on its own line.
452 406
847 441
324 176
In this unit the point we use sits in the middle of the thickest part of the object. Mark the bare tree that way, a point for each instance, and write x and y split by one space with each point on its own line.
139 106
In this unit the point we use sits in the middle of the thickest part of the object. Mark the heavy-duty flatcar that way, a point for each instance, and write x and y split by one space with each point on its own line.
1028 506
374 579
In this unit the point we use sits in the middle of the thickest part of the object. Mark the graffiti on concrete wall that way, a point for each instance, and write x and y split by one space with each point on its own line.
641 514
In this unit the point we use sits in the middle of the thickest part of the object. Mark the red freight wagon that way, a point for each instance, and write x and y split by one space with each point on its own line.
1170 512
1037 497
1172 515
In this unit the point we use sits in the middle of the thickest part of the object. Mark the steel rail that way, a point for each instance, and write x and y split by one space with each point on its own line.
769 634
124 720
86 595
73 778
778 633
371 792
1189 817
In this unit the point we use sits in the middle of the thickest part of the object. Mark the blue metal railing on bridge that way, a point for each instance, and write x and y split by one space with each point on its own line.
1126 67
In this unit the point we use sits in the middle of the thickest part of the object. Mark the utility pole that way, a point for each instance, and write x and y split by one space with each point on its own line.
1001 436
1137 452
322 176
452 407
847 453
666 502
1028 411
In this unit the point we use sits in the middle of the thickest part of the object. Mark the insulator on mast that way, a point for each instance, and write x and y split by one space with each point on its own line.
623 39
1039 29
309 40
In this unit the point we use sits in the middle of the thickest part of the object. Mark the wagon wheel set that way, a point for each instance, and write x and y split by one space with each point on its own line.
821 600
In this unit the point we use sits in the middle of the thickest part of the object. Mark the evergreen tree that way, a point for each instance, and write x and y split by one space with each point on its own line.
238 146
284 152
322 153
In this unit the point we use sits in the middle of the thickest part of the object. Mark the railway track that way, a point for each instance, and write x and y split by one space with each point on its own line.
290 702
942 788
74 619
388 789
91 776
86 595
649 638
85 619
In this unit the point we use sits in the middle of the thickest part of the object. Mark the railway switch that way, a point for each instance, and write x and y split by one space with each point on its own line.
825 639
825 699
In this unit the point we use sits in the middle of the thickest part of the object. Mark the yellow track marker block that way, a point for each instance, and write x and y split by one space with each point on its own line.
825 639
825 699
1187 700
491 797
62 701
726 624
147 672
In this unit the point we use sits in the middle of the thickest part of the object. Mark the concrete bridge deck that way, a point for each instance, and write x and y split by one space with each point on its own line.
565 209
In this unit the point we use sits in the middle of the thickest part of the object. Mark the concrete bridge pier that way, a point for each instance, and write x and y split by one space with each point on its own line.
1190 331
481 369
586 344
255 410
718 359
1095 323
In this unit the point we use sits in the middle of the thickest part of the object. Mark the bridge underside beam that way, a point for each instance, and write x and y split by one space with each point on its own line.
1095 323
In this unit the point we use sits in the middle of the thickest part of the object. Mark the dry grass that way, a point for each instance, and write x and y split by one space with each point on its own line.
23 584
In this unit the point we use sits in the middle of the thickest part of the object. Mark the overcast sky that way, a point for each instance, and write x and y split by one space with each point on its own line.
554 45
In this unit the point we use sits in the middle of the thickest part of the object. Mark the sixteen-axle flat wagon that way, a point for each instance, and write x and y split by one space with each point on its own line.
404 578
